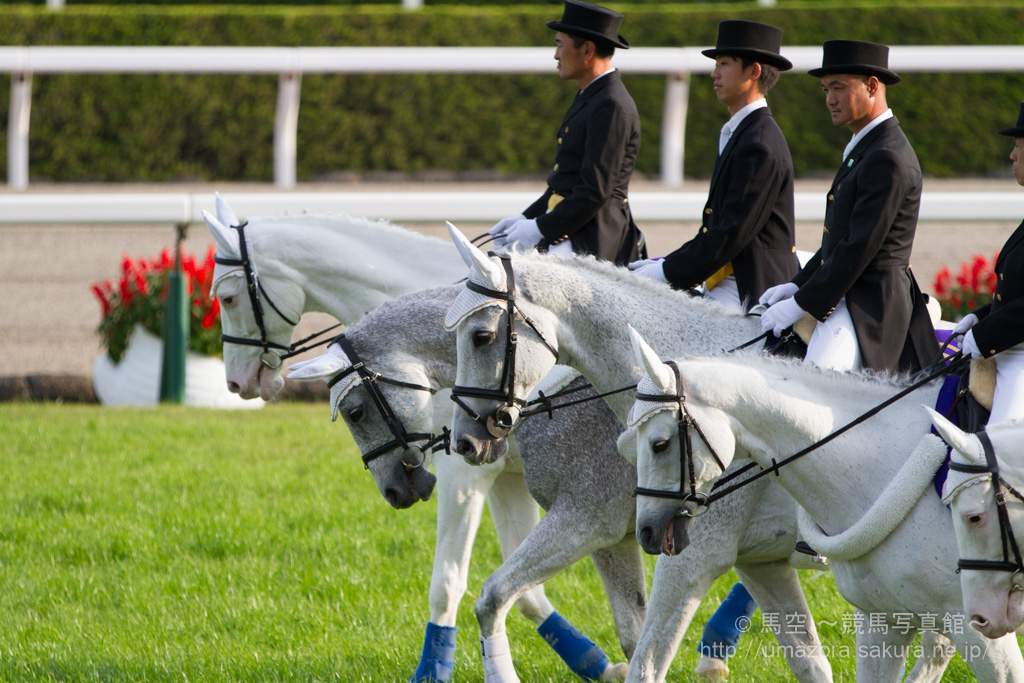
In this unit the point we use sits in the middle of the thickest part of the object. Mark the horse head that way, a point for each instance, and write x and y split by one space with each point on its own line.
389 419
678 449
503 353
993 597
259 307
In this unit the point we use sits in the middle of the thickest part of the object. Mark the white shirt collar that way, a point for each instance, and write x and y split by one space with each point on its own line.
735 120
738 117
598 78
872 124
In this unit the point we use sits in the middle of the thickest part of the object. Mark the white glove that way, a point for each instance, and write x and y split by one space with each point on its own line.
504 224
523 234
781 316
650 268
969 347
965 324
774 295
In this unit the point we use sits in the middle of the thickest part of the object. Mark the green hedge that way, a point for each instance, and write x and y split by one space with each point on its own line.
220 127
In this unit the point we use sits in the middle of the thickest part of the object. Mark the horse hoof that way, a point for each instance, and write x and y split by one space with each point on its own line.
615 672
711 669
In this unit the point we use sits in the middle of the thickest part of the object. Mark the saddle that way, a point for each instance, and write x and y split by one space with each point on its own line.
974 391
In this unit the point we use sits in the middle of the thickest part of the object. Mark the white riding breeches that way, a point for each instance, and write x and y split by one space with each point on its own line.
562 250
1008 400
833 344
726 293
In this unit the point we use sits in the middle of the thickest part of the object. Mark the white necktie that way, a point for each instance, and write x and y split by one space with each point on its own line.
723 138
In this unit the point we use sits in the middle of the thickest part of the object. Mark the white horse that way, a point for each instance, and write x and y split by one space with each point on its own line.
347 267
589 511
866 498
994 599
583 309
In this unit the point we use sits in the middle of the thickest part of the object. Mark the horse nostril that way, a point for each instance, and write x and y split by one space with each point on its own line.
645 536
391 495
463 447
234 387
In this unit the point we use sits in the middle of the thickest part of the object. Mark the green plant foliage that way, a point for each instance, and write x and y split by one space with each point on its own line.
183 127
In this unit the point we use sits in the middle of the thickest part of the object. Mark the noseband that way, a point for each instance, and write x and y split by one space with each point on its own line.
686 463
505 417
268 358
1009 540
402 438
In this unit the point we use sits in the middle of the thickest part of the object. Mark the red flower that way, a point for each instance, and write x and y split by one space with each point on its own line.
942 278
140 295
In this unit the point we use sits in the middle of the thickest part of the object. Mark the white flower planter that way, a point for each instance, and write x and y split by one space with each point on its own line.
135 381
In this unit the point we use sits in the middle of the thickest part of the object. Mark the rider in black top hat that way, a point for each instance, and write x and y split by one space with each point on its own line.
858 285
996 330
585 208
747 240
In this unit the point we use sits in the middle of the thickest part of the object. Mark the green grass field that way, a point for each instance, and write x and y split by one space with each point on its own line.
188 545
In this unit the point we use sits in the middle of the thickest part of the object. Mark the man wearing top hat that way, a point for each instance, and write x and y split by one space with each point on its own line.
585 208
858 285
747 241
996 330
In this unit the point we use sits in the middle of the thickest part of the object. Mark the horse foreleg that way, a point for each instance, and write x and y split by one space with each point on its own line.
775 587
936 651
990 660
461 490
680 583
622 571
881 651
516 514
556 543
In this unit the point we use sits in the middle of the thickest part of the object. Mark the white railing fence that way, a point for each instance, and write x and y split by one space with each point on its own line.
677 64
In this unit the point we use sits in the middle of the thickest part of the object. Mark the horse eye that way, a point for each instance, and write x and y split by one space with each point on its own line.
482 338
356 414
227 301
974 519
660 446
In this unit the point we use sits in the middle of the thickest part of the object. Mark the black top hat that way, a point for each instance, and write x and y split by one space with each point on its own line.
759 42
856 57
592 22
1018 130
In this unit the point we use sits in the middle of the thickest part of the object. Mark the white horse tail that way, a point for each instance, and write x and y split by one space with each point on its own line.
887 512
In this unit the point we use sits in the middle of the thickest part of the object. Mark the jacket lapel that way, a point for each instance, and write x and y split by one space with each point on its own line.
585 96
862 148
1015 239
736 134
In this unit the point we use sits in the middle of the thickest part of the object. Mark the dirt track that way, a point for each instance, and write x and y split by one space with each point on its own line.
48 314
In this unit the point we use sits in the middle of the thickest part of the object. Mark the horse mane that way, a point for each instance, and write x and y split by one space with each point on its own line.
606 270
340 222
867 379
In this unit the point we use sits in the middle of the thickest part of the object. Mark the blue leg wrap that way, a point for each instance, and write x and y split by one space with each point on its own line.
438 658
586 659
723 630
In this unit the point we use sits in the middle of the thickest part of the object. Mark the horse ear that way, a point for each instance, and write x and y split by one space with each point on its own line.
477 260
224 212
226 238
627 445
659 373
317 367
966 444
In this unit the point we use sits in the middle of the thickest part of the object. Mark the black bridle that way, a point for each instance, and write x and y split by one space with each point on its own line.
505 417
410 458
685 423
268 358
1009 540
